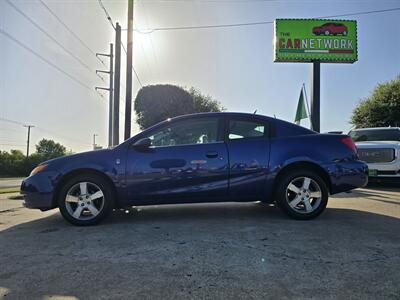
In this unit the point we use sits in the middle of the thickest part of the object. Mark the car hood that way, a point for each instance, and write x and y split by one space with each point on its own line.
378 144
78 156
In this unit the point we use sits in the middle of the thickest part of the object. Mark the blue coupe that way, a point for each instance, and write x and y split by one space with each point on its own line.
208 157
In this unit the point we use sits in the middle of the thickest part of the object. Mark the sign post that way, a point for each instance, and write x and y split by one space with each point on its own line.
315 41
316 96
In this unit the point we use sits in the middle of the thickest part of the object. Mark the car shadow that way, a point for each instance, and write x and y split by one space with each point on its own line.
378 192
376 196
385 184
151 250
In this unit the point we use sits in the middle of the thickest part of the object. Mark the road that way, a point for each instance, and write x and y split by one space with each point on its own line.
207 251
10 182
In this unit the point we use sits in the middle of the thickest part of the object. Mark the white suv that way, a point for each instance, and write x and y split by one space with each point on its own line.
380 149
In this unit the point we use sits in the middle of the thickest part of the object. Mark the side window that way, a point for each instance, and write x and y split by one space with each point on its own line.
186 132
239 129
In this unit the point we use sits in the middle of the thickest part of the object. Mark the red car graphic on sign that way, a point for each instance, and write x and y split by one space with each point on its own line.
330 29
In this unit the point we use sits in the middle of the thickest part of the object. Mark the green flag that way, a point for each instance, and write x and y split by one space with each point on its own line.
301 112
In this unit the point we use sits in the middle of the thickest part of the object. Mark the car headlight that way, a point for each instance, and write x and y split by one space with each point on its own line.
38 169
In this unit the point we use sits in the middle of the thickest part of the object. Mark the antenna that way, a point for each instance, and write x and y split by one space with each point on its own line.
255 112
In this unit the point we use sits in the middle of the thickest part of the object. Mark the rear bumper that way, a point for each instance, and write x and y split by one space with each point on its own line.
347 175
38 191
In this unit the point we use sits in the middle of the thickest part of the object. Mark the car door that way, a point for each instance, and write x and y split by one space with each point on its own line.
187 159
249 151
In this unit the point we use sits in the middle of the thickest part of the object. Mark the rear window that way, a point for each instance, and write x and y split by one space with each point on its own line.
375 135
286 129
239 129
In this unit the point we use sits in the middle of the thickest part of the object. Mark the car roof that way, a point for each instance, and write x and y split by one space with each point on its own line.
226 114
376 128
218 114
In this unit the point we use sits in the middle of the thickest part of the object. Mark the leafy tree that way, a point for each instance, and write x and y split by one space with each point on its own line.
15 163
381 108
156 103
50 149
11 164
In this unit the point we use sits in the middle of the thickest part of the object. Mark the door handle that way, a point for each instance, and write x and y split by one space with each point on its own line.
212 154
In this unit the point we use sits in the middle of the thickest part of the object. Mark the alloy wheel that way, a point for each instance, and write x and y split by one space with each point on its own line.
303 195
84 201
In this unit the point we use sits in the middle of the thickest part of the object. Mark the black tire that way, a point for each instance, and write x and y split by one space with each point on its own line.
107 199
281 194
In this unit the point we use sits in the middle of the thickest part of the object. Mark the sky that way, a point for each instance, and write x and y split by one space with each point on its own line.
233 65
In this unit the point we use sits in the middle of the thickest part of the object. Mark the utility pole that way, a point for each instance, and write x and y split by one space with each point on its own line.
110 92
117 79
315 96
29 137
128 98
94 141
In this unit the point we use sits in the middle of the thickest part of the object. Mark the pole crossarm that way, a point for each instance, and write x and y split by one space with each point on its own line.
110 90
101 71
102 88
103 54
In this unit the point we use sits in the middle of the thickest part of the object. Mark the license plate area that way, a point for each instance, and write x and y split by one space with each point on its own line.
372 172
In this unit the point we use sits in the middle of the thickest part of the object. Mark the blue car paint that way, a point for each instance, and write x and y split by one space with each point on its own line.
244 169
168 173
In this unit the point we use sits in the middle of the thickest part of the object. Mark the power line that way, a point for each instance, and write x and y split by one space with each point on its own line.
151 30
10 129
362 13
70 30
12 121
151 39
137 76
107 14
48 35
123 46
45 60
56 134
238 1
211 1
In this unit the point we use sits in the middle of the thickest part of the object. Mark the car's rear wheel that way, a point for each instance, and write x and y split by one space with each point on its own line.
85 199
345 32
302 194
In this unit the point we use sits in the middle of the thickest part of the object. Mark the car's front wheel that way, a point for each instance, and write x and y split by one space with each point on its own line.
302 194
85 199
327 32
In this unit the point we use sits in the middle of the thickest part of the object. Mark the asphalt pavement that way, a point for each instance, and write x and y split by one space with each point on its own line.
206 251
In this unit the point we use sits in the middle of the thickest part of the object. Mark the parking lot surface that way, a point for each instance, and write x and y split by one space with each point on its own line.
206 251
10 182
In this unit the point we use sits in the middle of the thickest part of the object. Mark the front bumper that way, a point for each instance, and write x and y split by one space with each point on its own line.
385 169
38 191
385 174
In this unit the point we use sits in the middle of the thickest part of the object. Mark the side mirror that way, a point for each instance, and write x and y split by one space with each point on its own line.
142 143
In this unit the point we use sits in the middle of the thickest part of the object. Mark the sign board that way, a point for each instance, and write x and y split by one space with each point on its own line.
307 40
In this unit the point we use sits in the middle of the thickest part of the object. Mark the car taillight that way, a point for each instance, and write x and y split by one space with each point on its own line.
348 141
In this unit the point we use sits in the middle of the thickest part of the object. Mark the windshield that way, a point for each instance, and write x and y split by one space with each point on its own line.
375 135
